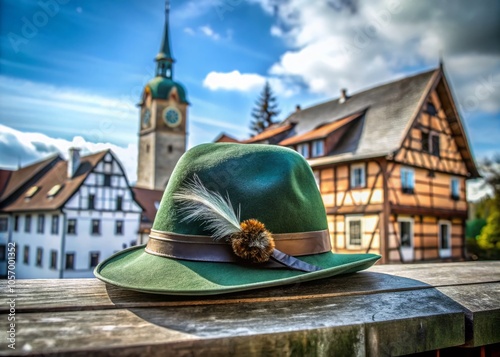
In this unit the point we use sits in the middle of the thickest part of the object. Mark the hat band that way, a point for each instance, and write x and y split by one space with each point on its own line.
205 249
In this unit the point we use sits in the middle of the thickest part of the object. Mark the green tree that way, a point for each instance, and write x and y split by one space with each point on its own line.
489 239
265 111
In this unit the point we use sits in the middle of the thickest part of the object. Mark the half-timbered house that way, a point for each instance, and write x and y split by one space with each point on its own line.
66 216
391 163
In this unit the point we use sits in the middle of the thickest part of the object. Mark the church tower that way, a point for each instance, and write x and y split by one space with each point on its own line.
163 117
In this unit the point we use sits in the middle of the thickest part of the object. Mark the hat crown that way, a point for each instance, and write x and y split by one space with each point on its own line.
272 184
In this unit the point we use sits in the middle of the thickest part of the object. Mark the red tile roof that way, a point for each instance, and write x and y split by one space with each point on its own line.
147 199
56 175
321 132
269 133
224 138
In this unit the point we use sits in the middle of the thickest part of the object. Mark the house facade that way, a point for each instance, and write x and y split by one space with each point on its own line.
391 163
66 216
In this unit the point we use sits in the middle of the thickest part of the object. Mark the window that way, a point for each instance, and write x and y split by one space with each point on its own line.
94 259
455 189
405 234
53 259
354 229
31 192
96 227
71 226
407 180
430 143
54 228
70 261
107 180
40 225
303 150
119 228
54 191
119 203
318 148
16 223
357 175
4 224
27 223
431 109
3 253
39 256
435 144
444 239
26 254
91 201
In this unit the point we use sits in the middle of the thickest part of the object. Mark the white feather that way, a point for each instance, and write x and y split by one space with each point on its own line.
196 202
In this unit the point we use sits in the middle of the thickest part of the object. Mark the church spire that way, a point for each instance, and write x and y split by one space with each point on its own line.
164 60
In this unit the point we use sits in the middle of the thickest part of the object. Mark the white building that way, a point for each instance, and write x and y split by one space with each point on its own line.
66 216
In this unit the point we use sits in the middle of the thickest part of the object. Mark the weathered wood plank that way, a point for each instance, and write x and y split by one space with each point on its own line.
71 294
421 320
481 303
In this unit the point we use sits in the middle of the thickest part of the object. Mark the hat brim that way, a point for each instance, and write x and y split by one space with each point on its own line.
137 270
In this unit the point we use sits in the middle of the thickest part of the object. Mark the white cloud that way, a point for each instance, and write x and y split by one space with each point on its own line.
189 31
209 32
233 81
356 44
23 148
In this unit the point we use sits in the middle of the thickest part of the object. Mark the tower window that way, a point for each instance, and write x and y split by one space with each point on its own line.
170 149
147 148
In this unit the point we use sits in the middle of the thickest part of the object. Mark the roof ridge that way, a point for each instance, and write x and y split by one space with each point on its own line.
376 86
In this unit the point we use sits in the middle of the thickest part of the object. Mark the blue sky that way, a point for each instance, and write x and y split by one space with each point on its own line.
71 71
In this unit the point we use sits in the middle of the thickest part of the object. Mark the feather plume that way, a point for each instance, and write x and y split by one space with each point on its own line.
196 202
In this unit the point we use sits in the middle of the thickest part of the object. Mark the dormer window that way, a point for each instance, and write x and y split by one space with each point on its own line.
31 192
54 191
318 148
303 150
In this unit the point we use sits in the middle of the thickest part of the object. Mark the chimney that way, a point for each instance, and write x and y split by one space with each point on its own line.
343 95
73 161
297 108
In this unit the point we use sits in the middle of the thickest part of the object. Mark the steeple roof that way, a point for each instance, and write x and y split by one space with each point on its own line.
164 58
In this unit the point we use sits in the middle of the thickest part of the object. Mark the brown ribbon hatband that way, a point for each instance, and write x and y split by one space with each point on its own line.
205 249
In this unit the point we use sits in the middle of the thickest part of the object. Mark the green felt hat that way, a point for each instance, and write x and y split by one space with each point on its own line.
234 217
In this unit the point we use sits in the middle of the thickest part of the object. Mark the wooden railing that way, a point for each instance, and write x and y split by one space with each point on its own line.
387 310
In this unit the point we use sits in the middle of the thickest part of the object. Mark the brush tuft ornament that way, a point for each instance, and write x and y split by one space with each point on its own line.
250 240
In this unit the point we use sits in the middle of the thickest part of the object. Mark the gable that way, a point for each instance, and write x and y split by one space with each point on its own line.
437 127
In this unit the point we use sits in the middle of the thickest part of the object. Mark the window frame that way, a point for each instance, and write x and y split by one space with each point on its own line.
444 252
40 224
5 220
407 252
92 256
352 176
452 194
66 261
348 220
315 144
54 224
122 226
119 203
26 255
39 257
68 225
53 259
306 147
407 190
93 231
91 201
107 180
27 223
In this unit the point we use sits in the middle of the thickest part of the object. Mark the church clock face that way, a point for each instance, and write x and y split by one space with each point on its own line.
172 117
146 118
